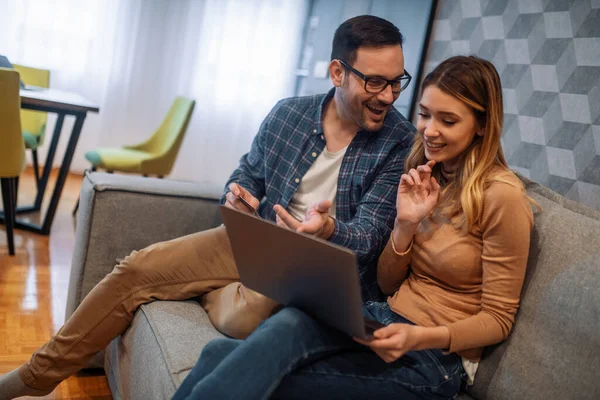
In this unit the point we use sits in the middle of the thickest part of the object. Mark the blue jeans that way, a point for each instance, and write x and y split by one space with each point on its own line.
293 356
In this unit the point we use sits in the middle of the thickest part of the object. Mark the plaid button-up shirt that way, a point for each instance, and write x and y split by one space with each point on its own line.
282 152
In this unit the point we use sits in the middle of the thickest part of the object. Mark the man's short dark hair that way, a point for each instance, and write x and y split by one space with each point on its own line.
363 31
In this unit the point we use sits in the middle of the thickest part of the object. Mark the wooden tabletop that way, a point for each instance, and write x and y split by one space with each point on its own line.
54 100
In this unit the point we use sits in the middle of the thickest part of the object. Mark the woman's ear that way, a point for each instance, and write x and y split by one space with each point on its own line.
480 131
336 72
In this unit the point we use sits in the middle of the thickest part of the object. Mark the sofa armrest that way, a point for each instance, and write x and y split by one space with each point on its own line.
121 213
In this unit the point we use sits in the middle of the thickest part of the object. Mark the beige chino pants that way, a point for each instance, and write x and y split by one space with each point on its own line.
183 268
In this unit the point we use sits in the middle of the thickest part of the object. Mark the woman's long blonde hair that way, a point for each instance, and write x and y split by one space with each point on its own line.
475 82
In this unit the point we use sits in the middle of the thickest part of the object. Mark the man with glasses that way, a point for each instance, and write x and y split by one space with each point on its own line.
327 165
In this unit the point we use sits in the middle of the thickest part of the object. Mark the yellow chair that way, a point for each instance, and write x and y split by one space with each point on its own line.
33 123
155 156
12 148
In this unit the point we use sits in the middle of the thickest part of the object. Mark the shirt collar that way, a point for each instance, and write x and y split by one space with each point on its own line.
318 125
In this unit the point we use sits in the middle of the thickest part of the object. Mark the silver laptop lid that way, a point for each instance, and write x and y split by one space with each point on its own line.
297 270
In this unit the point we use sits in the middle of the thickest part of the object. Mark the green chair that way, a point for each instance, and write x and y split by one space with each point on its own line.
157 155
12 148
33 123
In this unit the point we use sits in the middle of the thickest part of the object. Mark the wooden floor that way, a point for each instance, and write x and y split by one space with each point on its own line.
33 290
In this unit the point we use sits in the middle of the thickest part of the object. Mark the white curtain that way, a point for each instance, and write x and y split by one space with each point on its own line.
236 58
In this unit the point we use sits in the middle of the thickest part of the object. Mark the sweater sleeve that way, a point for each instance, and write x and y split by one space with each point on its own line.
506 227
392 269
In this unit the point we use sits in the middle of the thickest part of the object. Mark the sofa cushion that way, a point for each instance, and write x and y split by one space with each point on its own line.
151 359
554 348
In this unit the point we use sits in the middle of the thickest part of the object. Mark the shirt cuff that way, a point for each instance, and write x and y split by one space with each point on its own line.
340 234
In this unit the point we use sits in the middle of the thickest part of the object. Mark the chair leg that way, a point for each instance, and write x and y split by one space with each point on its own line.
8 185
15 191
36 168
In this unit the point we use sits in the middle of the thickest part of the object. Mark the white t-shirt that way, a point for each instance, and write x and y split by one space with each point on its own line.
319 183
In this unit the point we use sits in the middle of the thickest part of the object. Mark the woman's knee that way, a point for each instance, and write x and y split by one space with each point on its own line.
290 319
220 346
215 351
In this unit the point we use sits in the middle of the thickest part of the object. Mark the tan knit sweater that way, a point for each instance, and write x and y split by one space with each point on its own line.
470 283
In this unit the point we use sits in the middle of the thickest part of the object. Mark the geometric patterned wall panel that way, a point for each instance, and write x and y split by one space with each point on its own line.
547 53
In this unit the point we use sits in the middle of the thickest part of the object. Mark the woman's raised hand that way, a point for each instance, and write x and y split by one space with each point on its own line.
418 194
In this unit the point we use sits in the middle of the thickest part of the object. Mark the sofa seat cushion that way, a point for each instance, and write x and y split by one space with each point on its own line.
151 359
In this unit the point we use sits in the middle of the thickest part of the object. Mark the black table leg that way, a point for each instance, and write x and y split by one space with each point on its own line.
47 168
62 174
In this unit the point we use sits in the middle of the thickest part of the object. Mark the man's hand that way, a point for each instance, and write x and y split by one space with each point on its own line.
316 222
233 201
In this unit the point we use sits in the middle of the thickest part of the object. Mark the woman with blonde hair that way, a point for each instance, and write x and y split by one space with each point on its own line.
453 269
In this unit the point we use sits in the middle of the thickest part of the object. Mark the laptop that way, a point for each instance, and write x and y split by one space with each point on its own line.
299 270
5 63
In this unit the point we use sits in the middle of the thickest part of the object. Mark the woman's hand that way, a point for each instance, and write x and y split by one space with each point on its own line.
418 194
393 341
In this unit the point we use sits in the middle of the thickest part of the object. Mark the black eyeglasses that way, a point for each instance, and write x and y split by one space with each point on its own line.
376 84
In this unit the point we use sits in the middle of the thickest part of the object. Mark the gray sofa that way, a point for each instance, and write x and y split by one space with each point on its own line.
553 351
